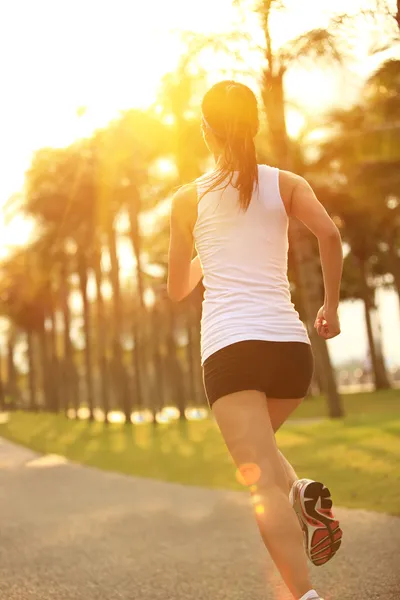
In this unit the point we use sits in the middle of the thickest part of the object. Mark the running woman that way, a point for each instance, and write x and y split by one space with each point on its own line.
256 354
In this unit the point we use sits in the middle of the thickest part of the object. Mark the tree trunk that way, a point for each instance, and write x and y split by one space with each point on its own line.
136 241
83 281
44 366
70 396
159 390
394 266
32 376
137 371
175 368
101 338
274 104
2 393
12 383
190 354
120 379
200 391
54 375
310 290
377 363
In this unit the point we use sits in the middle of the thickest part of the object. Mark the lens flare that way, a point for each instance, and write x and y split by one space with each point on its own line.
248 474
256 499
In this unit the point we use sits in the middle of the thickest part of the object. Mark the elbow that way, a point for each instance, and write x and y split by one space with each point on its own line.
331 235
174 294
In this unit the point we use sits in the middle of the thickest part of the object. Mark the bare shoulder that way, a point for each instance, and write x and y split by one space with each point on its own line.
184 204
185 195
288 183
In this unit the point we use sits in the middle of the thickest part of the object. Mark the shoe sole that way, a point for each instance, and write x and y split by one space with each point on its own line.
323 535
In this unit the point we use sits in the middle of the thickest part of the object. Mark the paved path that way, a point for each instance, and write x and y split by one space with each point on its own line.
72 533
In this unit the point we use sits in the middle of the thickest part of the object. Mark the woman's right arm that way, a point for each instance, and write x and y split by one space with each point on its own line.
304 205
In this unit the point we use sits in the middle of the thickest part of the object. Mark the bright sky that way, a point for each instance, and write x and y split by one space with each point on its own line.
109 55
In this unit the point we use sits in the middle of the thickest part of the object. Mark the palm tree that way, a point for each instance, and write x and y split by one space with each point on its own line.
25 300
125 150
380 173
357 280
359 183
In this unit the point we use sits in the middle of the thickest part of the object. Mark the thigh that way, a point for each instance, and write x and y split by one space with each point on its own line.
234 368
246 427
280 410
289 370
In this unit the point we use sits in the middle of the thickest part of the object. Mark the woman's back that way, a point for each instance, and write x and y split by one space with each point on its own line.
244 260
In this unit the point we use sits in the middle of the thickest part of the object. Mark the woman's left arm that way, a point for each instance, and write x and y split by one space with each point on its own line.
183 273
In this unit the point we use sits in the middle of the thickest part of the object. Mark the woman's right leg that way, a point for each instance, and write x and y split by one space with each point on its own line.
245 424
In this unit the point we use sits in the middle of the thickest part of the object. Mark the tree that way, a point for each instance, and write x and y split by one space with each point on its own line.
61 194
360 164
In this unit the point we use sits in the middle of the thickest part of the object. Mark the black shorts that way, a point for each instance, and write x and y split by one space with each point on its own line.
279 369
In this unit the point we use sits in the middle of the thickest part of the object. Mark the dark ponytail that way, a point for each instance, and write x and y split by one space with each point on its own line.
230 111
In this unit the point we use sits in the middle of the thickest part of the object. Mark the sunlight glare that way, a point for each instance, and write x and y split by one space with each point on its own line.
116 416
83 413
119 54
169 119
162 418
47 460
165 167
171 411
149 297
295 122
99 415
196 414
143 416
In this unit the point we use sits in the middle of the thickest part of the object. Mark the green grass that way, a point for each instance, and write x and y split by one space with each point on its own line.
357 457
368 403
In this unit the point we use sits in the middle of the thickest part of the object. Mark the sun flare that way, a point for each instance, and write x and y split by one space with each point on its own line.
76 65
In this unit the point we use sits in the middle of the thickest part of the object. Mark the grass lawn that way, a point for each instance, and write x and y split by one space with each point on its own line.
357 457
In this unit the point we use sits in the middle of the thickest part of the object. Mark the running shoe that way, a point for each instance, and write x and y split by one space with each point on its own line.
312 503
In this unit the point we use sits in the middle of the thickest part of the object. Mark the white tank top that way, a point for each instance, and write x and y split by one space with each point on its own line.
244 260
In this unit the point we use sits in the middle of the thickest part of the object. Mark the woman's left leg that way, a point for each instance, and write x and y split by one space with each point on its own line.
311 499
279 411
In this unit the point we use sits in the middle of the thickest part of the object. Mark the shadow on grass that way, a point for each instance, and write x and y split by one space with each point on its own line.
357 457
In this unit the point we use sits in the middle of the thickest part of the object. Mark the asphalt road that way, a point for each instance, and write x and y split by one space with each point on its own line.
73 533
